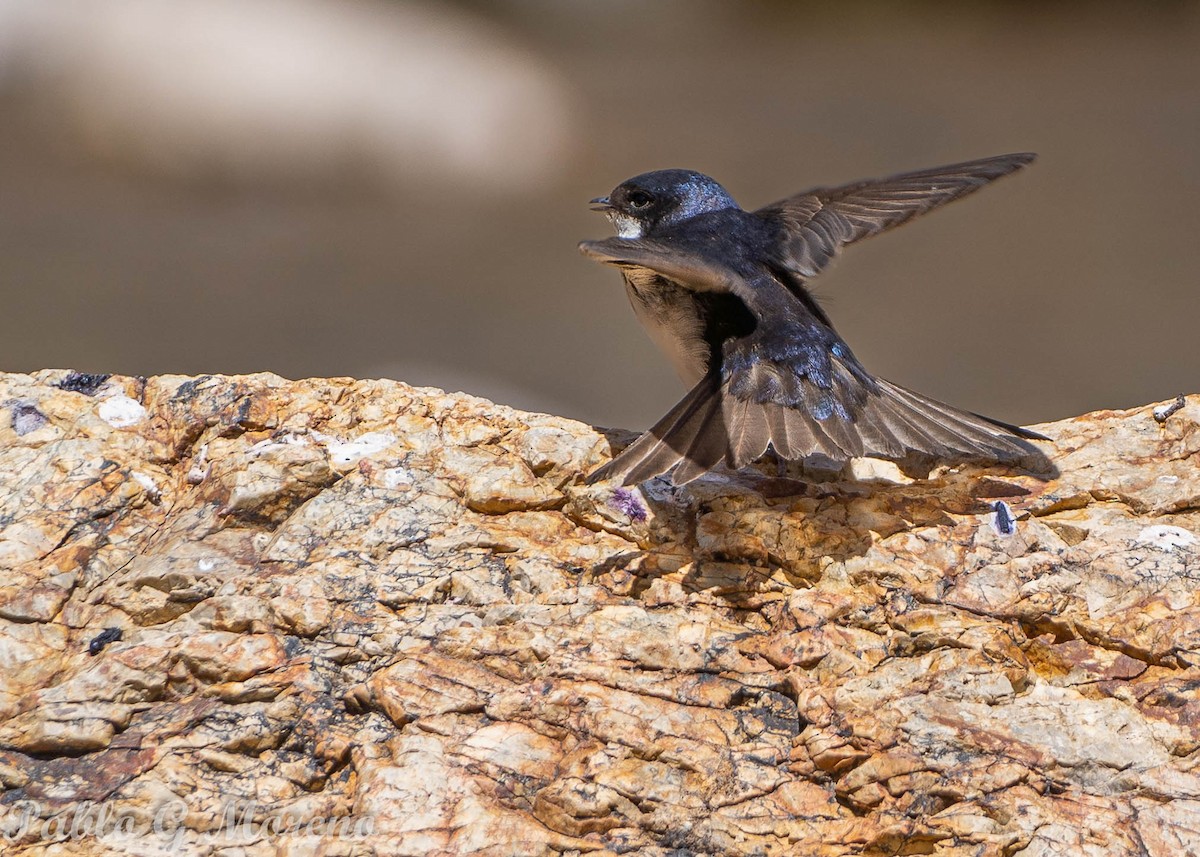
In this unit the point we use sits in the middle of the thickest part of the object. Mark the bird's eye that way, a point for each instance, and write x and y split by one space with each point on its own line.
640 199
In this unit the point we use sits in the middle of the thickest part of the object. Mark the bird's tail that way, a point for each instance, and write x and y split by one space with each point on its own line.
710 426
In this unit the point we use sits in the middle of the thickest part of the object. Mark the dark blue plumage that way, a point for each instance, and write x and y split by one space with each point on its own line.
722 292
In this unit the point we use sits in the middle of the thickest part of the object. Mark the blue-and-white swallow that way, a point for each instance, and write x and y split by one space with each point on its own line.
722 292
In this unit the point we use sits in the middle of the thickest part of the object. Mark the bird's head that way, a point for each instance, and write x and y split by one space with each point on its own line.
639 206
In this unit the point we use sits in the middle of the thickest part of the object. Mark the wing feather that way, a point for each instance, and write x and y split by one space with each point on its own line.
813 226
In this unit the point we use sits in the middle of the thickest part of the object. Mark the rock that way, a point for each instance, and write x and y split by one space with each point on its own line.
361 617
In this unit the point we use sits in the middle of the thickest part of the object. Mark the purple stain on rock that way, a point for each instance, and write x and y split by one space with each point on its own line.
26 417
628 503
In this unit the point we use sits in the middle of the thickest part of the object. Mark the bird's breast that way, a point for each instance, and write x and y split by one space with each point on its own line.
674 320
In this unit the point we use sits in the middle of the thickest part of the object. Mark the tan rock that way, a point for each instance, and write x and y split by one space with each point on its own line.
360 617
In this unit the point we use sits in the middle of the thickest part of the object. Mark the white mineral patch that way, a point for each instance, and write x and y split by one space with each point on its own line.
146 482
121 412
206 564
264 447
345 452
876 470
1166 537
199 470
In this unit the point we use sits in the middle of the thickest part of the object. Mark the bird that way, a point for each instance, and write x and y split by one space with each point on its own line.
723 292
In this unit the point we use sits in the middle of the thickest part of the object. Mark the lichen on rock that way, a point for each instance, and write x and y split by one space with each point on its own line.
362 617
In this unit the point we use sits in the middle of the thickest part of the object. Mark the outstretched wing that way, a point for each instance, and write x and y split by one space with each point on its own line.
813 226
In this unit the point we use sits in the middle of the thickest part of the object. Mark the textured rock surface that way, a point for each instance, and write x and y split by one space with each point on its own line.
361 603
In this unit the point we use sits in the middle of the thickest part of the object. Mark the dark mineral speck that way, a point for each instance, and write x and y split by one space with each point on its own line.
1164 412
108 635
83 382
1005 523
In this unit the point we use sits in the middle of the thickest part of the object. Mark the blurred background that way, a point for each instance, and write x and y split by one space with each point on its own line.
396 189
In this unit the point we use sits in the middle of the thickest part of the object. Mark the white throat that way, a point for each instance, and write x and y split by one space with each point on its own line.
627 227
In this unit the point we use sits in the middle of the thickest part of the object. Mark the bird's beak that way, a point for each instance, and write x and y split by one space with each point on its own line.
601 203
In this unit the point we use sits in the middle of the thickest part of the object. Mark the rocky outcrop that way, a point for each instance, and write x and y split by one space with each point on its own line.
352 617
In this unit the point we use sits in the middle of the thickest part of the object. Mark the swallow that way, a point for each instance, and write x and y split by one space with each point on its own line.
723 293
